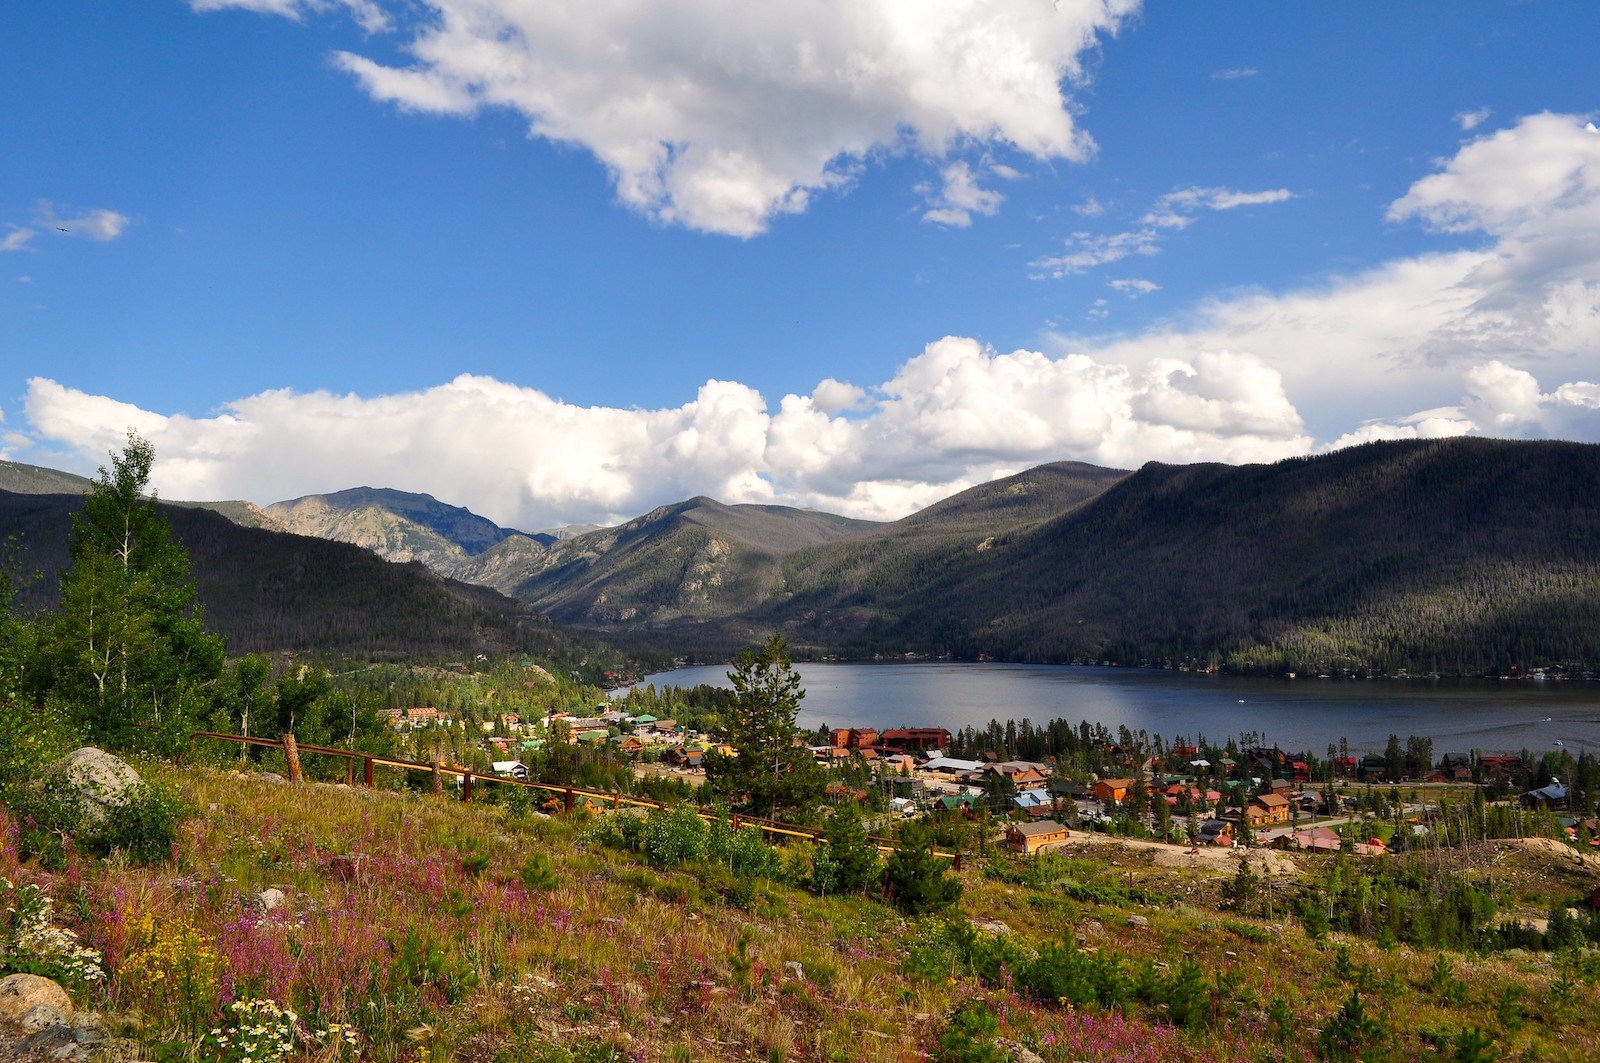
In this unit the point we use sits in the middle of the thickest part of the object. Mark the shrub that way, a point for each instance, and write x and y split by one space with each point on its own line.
969 1037
1351 1034
538 873
672 836
144 827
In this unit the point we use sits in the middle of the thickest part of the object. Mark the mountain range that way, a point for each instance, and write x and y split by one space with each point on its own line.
1460 556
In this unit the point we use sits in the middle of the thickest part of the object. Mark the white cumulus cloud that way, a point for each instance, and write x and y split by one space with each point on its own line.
956 414
1421 332
1501 337
722 116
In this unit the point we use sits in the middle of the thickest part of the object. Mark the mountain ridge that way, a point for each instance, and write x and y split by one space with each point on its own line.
1462 555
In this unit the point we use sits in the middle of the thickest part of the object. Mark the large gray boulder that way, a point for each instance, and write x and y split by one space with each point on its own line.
100 780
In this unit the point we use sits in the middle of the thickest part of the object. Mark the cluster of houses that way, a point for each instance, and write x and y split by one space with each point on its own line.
1031 797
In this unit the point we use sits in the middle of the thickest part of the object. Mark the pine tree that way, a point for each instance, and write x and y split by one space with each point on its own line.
915 879
849 855
771 771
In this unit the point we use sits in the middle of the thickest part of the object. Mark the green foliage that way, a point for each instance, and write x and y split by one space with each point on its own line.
1243 891
31 943
1410 902
915 880
771 772
673 836
297 692
539 873
846 861
144 826
127 647
969 1036
1312 910
1352 1033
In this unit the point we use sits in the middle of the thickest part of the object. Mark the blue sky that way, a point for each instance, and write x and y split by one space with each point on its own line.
566 262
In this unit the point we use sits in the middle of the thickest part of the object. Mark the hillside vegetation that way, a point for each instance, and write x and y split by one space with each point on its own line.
1461 555
693 561
412 928
267 591
214 914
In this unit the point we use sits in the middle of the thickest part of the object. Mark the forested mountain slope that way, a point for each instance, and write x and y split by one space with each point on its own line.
268 591
1462 555
692 561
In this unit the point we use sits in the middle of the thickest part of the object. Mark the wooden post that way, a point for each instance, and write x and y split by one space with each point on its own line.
438 781
292 753
349 771
466 789
569 799
958 862
368 771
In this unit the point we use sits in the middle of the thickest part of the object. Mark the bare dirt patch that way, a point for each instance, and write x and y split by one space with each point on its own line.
1268 862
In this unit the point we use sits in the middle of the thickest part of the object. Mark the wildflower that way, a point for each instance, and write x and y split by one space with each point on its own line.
28 931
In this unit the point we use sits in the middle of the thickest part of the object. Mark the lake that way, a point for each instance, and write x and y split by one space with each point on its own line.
1298 714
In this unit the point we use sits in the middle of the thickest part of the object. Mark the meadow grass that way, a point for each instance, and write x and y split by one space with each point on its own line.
416 928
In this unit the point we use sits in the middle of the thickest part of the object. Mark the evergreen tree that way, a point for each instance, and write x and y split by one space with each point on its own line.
771 771
847 852
127 647
917 881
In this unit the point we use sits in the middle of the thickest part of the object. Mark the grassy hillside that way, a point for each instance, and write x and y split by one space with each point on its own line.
486 933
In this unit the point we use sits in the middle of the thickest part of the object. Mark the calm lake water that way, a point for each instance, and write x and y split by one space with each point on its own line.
1299 714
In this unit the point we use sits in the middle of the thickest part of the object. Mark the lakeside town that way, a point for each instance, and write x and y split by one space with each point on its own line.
1181 794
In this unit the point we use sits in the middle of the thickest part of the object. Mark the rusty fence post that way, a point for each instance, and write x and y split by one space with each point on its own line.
367 772
569 799
438 781
466 788
291 752
349 771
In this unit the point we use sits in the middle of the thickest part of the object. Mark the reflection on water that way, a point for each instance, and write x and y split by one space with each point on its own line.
1300 714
